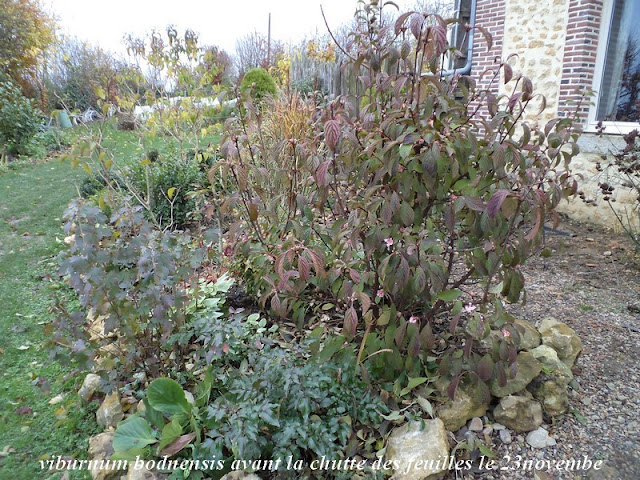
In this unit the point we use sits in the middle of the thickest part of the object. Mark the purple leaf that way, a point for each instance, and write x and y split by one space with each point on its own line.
496 201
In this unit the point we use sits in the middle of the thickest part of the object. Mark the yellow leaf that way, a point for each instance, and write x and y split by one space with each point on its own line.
171 192
100 93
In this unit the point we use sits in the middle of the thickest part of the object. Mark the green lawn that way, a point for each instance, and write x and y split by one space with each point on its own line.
32 201
33 198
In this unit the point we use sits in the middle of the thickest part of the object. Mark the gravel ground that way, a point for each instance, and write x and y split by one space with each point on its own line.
592 283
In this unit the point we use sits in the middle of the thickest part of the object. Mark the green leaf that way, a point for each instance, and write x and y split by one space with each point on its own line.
384 318
393 416
153 416
413 383
405 150
129 455
406 214
426 406
166 395
134 432
330 348
578 416
203 392
170 433
449 295
486 451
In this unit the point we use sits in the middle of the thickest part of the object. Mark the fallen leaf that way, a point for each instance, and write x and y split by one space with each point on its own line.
6 451
179 444
24 347
24 411
56 399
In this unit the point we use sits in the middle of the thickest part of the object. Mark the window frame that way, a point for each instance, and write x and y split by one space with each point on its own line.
611 127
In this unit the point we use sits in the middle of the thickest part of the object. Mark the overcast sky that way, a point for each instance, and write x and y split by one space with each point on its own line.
218 22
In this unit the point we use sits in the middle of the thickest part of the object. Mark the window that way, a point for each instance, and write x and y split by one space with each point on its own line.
617 77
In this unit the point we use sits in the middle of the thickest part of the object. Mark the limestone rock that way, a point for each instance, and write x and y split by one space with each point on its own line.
551 393
528 369
101 448
540 439
552 364
562 339
505 436
238 475
426 449
550 387
529 336
518 413
466 404
475 425
89 386
110 412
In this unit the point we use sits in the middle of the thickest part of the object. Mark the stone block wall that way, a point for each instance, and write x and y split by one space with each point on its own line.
555 44
536 33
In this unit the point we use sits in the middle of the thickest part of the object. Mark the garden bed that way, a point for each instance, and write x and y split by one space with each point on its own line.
591 283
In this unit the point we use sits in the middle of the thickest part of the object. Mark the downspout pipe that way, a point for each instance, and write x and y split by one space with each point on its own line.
466 68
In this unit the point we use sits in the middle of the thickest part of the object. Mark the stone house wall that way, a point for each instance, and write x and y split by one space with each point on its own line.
555 44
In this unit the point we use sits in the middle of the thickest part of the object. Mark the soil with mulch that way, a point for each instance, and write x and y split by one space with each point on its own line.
592 283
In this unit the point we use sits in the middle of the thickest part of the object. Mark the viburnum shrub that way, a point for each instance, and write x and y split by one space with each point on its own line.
409 198
132 283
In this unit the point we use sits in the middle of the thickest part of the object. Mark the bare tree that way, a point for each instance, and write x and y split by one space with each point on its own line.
252 51
444 8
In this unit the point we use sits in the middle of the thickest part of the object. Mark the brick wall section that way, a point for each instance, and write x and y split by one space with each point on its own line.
490 14
580 51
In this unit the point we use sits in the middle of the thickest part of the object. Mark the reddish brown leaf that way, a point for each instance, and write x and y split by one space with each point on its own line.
474 203
453 386
399 25
398 84
350 323
355 276
484 369
365 301
536 226
303 268
416 25
496 201
527 86
321 173
508 72
487 36
427 339
253 212
181 442
331 134
275 303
